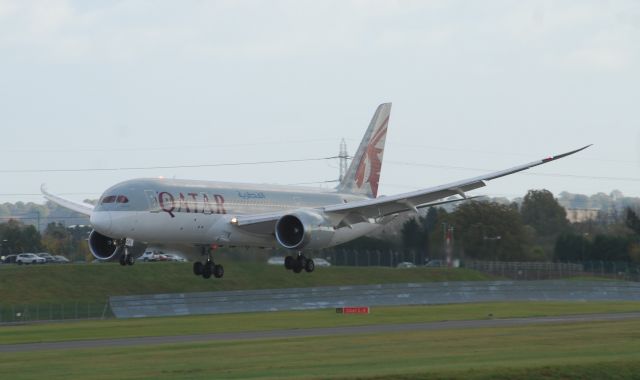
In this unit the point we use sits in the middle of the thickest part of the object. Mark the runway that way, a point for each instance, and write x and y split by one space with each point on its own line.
315 332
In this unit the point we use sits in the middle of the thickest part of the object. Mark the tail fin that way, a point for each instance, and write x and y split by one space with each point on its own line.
363 174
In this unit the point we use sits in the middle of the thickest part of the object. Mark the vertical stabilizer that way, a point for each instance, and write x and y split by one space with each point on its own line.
363 174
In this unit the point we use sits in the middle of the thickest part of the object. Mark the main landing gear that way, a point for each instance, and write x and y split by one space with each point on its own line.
208 268
298 263
126 258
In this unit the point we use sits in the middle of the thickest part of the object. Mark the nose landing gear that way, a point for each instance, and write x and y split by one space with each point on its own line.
126 258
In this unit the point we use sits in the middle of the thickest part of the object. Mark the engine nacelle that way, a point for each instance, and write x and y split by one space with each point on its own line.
105 248
304 229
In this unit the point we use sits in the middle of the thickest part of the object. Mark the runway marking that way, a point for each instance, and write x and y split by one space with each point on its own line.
315 332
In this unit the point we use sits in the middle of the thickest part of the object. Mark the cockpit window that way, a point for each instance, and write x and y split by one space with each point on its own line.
114 199
108 199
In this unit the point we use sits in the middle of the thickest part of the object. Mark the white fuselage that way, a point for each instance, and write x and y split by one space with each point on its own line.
202 212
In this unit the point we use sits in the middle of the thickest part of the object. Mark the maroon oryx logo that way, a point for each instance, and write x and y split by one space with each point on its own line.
372 157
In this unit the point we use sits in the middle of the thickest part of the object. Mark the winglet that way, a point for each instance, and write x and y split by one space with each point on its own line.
520 168
565 154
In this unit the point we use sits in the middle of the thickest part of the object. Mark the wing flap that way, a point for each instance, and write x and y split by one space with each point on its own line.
374 208
258 223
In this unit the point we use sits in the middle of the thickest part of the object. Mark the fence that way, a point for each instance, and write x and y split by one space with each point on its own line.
545 270
513 270
366 258
54 311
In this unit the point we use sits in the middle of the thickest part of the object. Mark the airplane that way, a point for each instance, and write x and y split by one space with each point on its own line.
206 214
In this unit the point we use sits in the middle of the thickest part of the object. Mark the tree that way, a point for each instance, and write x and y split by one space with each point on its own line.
18 238
57 239
541 211
412 234
632 221
610 248
417 232
572 247
70 242
490 231
415 239
365 243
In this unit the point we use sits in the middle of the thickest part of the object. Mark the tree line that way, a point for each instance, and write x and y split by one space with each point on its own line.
18 237
535 229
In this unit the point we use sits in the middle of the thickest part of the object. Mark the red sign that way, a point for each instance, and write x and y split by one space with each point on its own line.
353 310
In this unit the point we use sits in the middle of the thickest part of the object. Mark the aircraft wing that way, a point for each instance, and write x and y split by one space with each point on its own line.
82 208
387 205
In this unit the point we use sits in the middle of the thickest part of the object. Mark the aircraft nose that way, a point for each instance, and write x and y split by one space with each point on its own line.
101 221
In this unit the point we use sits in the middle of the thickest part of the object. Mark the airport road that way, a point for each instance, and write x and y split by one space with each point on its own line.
315 332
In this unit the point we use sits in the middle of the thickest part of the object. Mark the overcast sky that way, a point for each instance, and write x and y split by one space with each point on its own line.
476 87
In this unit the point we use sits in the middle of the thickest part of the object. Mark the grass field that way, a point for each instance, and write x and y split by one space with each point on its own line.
187 325
96 282
601 350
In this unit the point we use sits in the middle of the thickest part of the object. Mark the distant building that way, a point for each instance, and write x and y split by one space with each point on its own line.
578 215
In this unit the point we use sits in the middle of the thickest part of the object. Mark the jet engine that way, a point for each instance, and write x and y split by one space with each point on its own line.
105 248
304 229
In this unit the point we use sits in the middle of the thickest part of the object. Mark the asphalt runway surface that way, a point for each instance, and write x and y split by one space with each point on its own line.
315 332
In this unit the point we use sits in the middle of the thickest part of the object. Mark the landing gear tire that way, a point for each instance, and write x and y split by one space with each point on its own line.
309 266
218 271
197 268
123 260
299 264
207 268
288 263
130 260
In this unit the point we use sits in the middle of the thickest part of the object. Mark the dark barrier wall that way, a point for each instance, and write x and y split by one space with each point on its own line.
370 295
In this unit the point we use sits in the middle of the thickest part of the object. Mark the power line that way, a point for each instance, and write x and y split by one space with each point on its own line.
525 173
161 148
23 217
35 194
10 171
313 183
500 153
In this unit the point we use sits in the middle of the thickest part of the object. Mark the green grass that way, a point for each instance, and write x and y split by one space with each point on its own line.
145 327
96 282
602 350
593 278
613 370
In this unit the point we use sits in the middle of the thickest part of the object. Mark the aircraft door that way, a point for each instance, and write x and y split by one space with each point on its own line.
152 200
